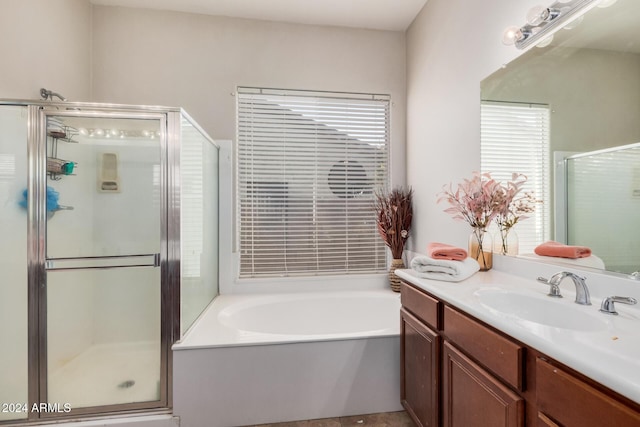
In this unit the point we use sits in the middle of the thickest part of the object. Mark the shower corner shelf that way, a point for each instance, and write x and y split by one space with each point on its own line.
56 167
66 134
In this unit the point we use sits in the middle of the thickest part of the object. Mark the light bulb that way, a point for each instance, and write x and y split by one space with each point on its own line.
534 16
99 132
511 35
539 14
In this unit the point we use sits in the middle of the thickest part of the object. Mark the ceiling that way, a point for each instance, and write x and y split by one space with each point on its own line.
394 15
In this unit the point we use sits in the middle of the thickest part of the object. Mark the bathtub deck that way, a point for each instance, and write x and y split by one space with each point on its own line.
248 376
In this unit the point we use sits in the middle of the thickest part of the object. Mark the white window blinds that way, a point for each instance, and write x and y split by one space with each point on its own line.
308 166
192 203
515 138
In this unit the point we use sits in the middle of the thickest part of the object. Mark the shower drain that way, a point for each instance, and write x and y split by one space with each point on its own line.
126 384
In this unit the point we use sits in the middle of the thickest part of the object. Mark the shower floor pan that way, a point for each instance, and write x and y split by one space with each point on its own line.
108 374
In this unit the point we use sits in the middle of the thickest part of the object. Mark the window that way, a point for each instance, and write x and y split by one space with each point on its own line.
515 138
308 166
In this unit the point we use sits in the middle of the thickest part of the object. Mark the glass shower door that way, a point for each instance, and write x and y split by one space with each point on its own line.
13 264
103 253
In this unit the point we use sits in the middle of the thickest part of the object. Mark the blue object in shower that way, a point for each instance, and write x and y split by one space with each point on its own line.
52 199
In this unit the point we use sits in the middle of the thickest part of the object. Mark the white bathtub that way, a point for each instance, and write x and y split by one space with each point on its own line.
253 359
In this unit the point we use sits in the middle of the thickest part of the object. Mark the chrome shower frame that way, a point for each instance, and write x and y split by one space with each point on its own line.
169 259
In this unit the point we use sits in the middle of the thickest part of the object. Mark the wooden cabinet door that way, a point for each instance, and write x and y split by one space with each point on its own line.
544 421
572 402
420 365
471 397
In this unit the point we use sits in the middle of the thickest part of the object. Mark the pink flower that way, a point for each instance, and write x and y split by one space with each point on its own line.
515 206
477 200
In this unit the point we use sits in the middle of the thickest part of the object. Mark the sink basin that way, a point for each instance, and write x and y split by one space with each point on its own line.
537 309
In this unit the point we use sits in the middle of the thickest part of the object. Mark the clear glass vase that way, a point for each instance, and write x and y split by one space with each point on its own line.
481 247
506 242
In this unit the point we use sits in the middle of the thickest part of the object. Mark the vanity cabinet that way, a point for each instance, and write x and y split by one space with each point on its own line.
420 370
420 357
459 372
441 386
565 400
472 397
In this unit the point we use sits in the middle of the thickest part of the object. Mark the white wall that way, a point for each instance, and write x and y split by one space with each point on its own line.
451 46
197 61
45 43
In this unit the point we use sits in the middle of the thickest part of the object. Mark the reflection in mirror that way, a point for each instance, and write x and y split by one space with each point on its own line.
588 79
603 189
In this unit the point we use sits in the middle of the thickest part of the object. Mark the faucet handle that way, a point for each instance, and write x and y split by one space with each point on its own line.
554 289
608 306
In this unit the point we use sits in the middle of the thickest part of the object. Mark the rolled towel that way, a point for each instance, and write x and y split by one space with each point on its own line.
556 249
437 250
442 269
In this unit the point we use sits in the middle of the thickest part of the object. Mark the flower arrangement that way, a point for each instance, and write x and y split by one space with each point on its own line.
481 200
394 215
477 200
513 207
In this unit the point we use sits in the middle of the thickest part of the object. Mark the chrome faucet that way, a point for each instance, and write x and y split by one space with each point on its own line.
582 292
608 307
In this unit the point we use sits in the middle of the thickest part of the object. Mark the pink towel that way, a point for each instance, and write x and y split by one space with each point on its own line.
437 250
560 250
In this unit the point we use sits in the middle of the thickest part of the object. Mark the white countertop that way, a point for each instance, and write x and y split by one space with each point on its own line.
609 355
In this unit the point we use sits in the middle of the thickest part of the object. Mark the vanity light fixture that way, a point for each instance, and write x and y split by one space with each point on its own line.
542 22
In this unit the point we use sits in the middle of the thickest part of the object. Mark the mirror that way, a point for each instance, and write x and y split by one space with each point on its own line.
589 77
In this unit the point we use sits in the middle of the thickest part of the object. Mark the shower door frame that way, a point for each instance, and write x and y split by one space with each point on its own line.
169 248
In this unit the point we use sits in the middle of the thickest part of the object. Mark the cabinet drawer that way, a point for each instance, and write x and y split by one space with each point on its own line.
570 401
420 304
500 355
472 397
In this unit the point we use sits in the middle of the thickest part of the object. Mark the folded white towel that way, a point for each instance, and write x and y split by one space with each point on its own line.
442 269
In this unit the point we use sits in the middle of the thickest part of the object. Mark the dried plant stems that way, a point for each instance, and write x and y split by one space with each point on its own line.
395 213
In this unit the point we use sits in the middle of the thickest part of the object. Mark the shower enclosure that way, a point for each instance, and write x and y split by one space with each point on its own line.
602 200
108 231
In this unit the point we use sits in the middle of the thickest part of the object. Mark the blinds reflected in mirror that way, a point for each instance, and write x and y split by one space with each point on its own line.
515 138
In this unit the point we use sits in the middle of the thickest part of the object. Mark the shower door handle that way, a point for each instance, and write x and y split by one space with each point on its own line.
102 262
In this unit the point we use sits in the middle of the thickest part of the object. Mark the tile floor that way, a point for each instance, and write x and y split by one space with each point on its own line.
386 419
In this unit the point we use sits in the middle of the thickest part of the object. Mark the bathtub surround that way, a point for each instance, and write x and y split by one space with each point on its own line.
289 357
